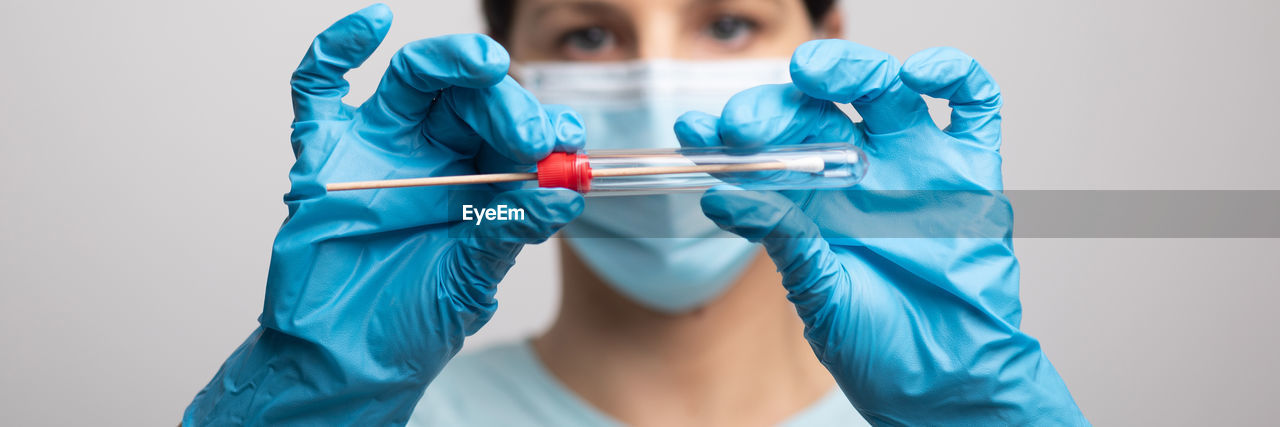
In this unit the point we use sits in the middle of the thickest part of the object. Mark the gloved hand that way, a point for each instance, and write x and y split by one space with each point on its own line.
918 325
371 292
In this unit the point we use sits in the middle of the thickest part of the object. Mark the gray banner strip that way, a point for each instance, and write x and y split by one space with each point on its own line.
985 214
1146 213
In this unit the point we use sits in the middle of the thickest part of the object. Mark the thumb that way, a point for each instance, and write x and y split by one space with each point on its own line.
488 249
810 271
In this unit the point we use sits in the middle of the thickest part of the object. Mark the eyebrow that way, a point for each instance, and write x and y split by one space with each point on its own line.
596 7
694 3
577 6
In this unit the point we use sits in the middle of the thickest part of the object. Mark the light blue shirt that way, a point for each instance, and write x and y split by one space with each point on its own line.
506 385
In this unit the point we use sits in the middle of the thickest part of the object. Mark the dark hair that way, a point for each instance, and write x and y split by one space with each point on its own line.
498 13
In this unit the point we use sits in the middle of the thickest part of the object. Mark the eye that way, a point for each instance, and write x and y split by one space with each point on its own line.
589 40
728 28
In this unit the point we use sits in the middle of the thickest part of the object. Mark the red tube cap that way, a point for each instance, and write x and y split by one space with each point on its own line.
565 170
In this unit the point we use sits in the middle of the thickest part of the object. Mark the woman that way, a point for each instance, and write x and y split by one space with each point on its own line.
665 319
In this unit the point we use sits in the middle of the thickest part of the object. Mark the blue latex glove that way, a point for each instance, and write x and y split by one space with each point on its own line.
371 292
917 328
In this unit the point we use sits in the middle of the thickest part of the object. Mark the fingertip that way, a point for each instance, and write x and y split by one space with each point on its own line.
842 71
749 214
354 37
933 69
562 205
714 210
815 55
740 120
536 138
696 129
811 65
531 134
760 115
318 84
571 200
718 192
481 61
716 202
568 128
576 203
379 17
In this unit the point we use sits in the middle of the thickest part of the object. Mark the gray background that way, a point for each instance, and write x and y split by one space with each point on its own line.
144 150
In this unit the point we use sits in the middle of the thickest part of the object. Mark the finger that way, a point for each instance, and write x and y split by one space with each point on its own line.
974 97
483 258
697 129
420 70
780 115
810 271
843 71
571 134
318 85
766 115
502 127
570 137
507 117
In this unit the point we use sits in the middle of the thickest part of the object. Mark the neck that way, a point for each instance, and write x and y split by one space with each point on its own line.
741 359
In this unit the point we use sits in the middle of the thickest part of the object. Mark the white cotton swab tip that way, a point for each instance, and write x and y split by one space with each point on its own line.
805 164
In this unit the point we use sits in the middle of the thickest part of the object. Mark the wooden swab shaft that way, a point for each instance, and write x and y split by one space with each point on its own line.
511 177
435 180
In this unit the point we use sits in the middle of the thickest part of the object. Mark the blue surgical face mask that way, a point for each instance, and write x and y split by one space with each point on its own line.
658 250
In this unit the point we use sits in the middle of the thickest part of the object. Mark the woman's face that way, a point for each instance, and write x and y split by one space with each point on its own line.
613 30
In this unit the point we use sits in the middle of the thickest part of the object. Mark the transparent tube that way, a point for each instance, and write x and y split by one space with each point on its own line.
781 167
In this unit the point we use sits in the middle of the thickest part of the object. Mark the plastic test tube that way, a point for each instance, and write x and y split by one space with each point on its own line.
780 167
664 170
